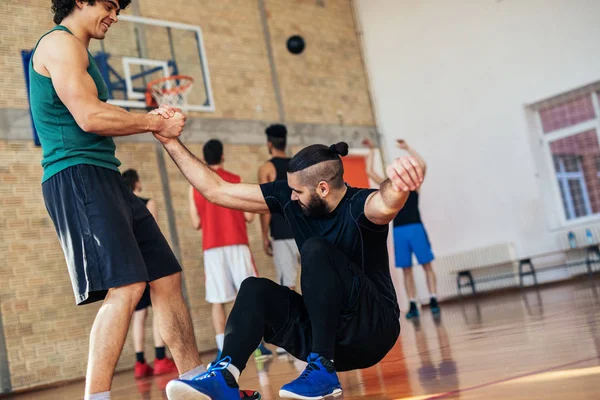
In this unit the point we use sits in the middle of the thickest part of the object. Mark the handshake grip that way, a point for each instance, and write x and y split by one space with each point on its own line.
172 127
171 123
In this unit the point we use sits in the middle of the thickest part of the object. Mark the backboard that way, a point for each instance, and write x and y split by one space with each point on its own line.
138 50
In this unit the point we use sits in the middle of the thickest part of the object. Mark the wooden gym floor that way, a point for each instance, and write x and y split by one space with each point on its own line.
537 344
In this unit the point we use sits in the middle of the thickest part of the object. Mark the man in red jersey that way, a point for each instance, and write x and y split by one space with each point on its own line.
227 257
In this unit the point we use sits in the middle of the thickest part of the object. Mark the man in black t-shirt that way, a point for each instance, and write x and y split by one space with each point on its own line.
410 236
347 316
278 238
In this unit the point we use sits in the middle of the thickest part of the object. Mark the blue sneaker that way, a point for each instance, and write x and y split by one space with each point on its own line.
413 312
318 381
434 305
216 383
262 352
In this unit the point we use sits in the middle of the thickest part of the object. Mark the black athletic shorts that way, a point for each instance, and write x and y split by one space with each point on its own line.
109 237
368 328
145 301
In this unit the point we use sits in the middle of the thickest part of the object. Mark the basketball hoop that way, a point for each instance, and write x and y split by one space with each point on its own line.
171 90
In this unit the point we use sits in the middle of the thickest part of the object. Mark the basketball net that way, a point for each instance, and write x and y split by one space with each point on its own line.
171 90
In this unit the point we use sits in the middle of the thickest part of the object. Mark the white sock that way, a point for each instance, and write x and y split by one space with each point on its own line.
433 296
233 369
413 301
98 396
220 338
200 369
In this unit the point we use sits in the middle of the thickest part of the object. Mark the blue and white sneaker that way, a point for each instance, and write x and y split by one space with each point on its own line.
216 383
319 380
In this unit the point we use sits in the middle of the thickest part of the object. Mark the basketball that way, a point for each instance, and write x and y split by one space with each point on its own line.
296 44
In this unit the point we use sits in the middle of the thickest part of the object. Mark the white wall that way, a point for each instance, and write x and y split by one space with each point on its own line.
453 78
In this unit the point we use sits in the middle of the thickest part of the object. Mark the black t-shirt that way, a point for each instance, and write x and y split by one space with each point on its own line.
409 214
144 200
280 230
347 227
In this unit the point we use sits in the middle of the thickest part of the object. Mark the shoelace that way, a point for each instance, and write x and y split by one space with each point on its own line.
213 368
309 368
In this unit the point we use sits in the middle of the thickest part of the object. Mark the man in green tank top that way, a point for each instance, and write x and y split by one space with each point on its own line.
112 244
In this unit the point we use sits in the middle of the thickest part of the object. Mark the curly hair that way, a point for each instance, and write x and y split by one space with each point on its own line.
62 8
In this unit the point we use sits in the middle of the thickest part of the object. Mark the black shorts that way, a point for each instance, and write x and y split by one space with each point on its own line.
145 301
109 237
368 328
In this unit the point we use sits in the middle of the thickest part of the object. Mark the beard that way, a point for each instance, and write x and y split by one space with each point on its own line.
317 207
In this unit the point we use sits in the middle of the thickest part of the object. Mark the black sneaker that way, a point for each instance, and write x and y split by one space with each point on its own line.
413 312
435 307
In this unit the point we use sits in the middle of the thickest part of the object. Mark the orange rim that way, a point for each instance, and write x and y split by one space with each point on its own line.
176 89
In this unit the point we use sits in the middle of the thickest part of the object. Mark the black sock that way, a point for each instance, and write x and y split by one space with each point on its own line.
229 379
160 352
139 357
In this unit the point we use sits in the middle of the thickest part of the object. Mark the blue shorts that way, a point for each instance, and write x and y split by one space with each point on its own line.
409 239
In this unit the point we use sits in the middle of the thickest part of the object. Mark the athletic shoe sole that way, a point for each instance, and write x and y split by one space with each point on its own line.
177 390
289 395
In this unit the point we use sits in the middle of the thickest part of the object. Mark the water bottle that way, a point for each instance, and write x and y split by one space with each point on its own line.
589 236
572 241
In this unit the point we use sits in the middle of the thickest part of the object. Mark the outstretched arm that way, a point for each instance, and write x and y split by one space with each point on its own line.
378 179
237 196
64 59
405 174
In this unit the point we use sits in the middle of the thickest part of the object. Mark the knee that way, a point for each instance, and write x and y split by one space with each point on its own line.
168 284
407 271
314 248
254 288
427 267
129 295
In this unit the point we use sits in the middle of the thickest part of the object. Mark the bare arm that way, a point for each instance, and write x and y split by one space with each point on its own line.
237 196
266 174
194 217
371 161
403 145
65 60
249 217
405 175
370 170
153 209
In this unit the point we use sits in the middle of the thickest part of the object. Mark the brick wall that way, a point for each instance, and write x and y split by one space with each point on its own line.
327 82
46 334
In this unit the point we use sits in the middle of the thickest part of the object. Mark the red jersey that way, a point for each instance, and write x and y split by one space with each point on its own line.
220 226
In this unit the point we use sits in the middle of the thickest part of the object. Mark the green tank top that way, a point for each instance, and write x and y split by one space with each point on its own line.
64 143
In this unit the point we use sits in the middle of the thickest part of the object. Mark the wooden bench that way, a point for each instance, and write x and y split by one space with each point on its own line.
525 266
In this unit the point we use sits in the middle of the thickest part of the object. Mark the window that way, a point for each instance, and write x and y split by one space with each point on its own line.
570 128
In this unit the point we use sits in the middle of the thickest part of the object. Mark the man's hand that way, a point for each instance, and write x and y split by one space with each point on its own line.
405 173
165 111
402 144
367 143
172 127
268 247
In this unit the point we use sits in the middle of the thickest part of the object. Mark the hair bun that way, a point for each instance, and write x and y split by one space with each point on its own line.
340 148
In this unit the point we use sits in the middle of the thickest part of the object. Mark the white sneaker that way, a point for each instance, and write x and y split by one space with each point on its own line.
280 351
